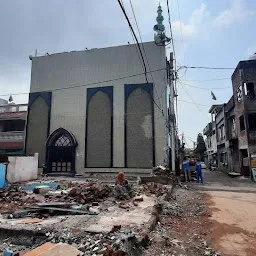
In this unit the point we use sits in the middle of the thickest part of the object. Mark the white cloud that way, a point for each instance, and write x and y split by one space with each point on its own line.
238 12
188 30
198 17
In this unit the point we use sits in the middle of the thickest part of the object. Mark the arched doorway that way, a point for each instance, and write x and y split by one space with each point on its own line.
61 152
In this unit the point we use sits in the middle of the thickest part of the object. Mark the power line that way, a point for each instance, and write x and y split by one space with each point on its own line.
145 68
170 25
190 102
136 46
175 61
197 106
216 68
191 98
129 23
93 83
208 80
137 25
202 88
182 38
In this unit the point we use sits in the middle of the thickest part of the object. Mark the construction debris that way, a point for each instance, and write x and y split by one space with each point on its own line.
122 190
145 215
161 171
15 198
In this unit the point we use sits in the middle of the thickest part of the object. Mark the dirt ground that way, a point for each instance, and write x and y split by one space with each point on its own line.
233 222
185 230
217 218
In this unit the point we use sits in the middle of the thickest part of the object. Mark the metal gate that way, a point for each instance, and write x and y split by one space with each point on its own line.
61 152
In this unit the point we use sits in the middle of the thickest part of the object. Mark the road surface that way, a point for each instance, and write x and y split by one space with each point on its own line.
232 202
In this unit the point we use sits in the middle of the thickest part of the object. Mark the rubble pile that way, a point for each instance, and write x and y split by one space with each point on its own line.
205 249
172 209
154 188
14 198
161 171
123 190
84 193
124 242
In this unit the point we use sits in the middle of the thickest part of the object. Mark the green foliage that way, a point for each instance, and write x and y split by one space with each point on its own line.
200 148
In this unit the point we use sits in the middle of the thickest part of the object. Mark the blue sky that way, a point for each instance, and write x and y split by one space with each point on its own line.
206 33
215 34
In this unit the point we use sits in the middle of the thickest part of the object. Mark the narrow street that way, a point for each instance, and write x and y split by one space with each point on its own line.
217 218
232 205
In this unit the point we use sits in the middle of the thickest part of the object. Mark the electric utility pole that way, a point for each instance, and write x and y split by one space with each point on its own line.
172 114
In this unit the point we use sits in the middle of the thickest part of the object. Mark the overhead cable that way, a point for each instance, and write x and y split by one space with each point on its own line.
93 83
216 68
129 23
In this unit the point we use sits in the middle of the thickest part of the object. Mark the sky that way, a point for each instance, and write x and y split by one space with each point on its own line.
206 33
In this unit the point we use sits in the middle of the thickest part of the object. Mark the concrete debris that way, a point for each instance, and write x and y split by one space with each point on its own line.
165 218
161 171
154 188
14 198
122 190
172 209
88 192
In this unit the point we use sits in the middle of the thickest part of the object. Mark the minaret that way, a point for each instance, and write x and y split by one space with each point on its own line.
160 37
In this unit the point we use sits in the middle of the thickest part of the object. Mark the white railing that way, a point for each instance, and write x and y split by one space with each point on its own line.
12 136
13 108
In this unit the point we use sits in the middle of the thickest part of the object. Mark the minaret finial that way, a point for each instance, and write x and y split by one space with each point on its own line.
159 28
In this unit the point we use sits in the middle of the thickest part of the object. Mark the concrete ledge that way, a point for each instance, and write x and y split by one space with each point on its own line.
165 180
115 170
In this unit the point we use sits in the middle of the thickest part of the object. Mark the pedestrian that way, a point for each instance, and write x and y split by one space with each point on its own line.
199 174
177 167
186 168
210 166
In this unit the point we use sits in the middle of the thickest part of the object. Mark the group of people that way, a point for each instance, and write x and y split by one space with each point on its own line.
187 171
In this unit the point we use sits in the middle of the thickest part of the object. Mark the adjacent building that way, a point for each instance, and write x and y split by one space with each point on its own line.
93 111
235 123
244 81
211 136
12 127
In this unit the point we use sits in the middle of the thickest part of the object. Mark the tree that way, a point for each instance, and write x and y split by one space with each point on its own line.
200 148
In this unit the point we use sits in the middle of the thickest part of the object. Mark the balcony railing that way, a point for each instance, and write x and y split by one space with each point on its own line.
15 136
207 129
10 108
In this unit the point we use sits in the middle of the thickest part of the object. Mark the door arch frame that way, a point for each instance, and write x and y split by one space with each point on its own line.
71 144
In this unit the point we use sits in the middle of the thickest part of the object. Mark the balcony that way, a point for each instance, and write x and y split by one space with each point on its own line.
208 129
12 136
12 140
13 111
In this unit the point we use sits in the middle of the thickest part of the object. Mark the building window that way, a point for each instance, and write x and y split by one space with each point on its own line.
242 125
249 90
224 158
233 125
239 93
252 121
214 116
221 132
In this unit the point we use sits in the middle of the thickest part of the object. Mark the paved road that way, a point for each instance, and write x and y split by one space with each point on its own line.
232 202
218 181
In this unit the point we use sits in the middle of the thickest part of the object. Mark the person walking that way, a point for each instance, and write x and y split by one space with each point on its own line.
186 168
198 170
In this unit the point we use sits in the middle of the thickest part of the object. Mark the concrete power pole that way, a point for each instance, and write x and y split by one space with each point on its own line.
172 114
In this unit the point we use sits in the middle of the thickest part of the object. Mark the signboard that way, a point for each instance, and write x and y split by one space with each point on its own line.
253 163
